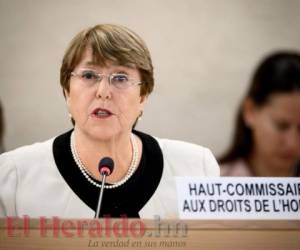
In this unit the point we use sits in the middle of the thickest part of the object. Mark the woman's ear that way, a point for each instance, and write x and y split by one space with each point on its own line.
143 101
67 98
249 112
66 95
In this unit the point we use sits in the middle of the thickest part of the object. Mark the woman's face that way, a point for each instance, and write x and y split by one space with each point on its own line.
103 111
276 130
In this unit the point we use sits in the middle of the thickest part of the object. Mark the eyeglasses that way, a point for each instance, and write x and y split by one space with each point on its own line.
118 80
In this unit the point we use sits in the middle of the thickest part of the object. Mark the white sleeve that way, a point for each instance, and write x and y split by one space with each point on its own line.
8 184
210 164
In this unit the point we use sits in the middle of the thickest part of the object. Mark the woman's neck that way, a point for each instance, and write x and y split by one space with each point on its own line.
263 166
91 151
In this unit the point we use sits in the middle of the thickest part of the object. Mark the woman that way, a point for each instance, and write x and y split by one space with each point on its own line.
267 135
106 77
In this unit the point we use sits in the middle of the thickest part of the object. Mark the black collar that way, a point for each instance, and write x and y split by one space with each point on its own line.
125 200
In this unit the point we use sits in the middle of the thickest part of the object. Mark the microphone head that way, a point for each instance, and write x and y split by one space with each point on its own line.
106 166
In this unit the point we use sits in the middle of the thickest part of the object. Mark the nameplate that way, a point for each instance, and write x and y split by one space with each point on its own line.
230 198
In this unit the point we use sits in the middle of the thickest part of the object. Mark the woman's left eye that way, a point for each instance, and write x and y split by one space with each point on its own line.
120 78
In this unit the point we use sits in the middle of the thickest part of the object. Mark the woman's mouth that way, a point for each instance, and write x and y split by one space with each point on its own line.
101 113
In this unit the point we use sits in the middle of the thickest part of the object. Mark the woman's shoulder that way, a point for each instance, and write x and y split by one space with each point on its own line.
189 156
182 147
27 153
174 147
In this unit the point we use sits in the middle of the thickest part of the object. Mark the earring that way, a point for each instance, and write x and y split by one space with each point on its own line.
140 115
70 115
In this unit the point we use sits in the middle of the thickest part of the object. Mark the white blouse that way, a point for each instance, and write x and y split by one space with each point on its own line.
31 184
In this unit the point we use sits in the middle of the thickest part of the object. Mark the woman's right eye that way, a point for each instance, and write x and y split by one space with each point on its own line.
281 125
89 75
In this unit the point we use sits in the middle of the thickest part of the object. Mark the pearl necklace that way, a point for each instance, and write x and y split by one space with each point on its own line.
87 174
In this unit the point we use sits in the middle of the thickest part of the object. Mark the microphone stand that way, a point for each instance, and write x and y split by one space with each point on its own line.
100 196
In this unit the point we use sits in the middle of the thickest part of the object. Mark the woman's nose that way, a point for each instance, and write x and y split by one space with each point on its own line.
103 88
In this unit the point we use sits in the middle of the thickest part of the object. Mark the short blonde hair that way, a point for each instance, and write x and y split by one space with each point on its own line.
109 43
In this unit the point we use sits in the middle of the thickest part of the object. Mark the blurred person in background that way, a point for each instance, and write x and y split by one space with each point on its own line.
266 140
1 129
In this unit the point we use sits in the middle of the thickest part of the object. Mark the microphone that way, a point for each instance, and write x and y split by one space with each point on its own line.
106 167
